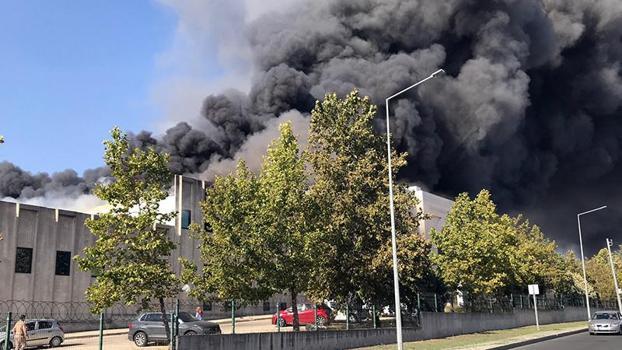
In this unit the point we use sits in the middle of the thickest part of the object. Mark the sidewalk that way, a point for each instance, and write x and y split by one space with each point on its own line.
118 331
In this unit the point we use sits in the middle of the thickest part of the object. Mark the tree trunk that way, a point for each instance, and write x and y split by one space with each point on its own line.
167 329
295 321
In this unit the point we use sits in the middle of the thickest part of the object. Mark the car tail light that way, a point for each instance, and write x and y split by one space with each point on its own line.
130 325
61 328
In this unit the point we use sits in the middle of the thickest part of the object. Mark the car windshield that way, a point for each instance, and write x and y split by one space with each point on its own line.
605 316
186 317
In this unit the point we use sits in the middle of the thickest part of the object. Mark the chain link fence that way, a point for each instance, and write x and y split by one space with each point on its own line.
350 315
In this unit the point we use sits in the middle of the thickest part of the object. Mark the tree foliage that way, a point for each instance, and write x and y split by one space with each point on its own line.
350 194
600 278
129 256
259 241
483 252
316 224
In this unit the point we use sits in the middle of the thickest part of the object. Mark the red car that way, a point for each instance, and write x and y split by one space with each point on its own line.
305 315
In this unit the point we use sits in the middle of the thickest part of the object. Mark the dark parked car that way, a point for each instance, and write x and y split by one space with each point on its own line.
149 327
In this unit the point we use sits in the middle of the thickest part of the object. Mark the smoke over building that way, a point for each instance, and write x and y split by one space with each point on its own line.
530 107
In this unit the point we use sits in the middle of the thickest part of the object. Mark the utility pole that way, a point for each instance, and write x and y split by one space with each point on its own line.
613 272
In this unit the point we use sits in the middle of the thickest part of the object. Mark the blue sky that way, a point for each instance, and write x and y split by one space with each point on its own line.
70 70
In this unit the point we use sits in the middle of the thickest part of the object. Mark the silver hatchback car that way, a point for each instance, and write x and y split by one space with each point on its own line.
149 327
41 332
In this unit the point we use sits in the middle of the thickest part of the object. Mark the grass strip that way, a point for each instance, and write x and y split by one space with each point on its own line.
477 340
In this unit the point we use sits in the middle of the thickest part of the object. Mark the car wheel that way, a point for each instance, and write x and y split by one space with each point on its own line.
190 333
321 321
140 339
56 341
282 322
2 345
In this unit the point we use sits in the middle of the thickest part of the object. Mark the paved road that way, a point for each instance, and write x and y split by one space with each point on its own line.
582 341
120 342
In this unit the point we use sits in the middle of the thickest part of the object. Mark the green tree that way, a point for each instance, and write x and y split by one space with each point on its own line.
350 196
598 270
537 261
231 262
258 241
129 256
475 247
285 233
483 252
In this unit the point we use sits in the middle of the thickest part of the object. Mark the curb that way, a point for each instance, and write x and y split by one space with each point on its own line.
537 340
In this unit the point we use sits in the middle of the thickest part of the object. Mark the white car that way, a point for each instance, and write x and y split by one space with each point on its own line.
605 322
41 332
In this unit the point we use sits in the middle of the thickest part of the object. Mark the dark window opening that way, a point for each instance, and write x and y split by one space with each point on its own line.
266 305
23 260
185 218
207 306
63 263
227 305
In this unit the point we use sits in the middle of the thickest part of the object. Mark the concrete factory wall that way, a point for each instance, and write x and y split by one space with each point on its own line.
434 325
49 230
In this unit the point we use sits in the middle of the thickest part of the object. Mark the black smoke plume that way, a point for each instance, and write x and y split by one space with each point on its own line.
530 107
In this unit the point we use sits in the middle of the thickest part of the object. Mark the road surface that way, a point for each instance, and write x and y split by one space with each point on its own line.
581 341
120 342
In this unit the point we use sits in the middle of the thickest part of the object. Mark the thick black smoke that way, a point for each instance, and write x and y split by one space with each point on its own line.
530 108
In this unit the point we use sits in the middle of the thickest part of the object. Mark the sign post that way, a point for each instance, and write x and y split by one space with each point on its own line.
534 290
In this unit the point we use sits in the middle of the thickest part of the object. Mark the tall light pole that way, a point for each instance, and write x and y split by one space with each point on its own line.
396 281
613 272
587 297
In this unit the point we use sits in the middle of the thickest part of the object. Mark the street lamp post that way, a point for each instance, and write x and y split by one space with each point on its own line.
587 297
613 272
396 288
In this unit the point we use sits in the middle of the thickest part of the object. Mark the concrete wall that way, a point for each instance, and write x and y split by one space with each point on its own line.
433 325
48 230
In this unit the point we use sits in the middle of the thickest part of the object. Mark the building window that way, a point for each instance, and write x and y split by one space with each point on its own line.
23 260
63 263
185 218
266 305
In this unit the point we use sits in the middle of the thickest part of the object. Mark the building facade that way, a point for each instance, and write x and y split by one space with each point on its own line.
36 254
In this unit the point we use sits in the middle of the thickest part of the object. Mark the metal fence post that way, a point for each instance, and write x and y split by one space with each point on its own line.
521 301
172 331
233 316
435 303
101 330
373 311
315 315
512 300
347 316
176 320
278 317
418 302
8 330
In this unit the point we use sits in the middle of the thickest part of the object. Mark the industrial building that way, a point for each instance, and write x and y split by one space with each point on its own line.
39 243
